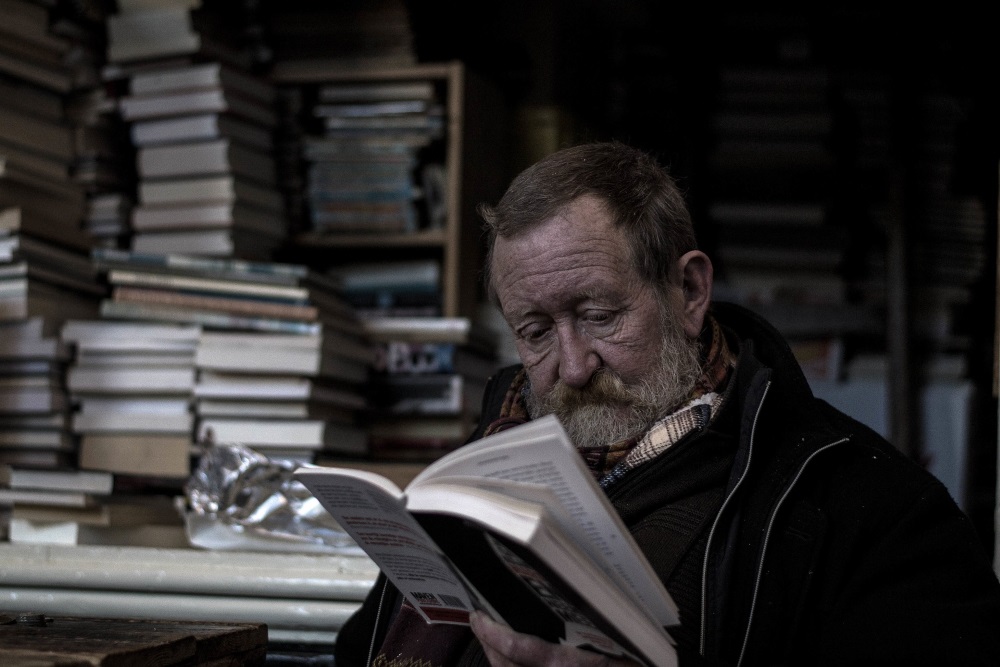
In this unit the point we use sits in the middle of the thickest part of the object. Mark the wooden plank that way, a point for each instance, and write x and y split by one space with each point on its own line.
105 642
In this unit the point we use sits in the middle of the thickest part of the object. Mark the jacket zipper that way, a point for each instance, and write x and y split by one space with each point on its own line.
378 617
767 538
715 524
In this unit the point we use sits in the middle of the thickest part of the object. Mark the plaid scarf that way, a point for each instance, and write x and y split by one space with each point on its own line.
611 462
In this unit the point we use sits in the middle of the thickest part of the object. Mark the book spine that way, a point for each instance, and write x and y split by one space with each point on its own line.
220 320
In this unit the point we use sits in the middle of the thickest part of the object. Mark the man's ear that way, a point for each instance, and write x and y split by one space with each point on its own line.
696 274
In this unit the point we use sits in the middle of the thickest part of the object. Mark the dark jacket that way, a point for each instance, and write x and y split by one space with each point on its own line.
829 548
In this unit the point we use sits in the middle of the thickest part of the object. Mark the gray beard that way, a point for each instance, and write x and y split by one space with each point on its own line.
607 410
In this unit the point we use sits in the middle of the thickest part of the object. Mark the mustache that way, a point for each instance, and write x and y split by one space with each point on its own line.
604 388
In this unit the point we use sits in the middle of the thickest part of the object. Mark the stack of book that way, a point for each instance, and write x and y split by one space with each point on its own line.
35 407
45 273
54 127
42 245
77 507
289 397
203 132
280 356
426 389
131 385
362 167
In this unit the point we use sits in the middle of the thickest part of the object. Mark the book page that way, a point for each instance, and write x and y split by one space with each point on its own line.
539 452
372 513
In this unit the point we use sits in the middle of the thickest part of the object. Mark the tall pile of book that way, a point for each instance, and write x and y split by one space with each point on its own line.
34 403
131 385
45 276
202 123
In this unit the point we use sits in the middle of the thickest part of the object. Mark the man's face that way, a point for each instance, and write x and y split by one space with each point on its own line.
602 352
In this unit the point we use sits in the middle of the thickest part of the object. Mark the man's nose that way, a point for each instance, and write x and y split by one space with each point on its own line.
578 360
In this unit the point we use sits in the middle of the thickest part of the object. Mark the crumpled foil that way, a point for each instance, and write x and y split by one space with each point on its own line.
237 498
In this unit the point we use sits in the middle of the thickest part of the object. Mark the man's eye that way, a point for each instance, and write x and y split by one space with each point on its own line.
599 317
534 334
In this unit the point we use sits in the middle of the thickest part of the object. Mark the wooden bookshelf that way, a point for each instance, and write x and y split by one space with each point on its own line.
475 172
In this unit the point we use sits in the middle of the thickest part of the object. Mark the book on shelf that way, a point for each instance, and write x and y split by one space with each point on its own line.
138 354
82 481
225 320
119 335
373 108
366 150
77 533
432 125
285 434
48 76
110 420
27 98
140 454
205 158
47 262
26 339
407 357
57 226
401 275
209 189
417 437
276 387
114 509
207 215
419 329
200 76
273 409
43 439
217 243
33 400
322 355
35 166
516 526
248 284
200 101
52 199
150 33
235 305
349 215
33 133
152 379
425 393
34 458
46 498
226 270
201 127
375 91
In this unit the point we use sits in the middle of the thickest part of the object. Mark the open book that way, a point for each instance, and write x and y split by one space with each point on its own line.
515 525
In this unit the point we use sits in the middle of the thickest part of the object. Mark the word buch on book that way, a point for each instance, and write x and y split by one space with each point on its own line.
514 525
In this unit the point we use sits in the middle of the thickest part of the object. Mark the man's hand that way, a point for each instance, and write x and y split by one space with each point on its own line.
505 648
